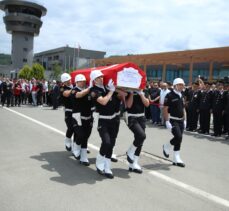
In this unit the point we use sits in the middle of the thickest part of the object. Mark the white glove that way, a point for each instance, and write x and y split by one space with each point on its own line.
185 124
110 85
168 125
140 92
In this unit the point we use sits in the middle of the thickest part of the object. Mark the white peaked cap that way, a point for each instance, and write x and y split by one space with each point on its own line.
178 81
95 74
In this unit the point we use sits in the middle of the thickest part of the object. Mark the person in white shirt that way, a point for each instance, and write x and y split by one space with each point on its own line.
45 92
163 93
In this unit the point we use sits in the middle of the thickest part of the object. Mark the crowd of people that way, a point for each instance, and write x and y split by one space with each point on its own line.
173 106
206 105
33 92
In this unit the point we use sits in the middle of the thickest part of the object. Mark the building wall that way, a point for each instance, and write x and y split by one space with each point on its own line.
22 49
7 71
212 64
68 58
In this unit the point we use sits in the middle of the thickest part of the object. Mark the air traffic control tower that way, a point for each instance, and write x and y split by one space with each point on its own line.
23 20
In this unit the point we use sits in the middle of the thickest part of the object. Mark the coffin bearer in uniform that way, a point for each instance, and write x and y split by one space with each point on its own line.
105 100
65 94
136 103
82 104
121 95
175 117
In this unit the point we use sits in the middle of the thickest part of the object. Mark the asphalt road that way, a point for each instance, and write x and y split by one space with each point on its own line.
37 173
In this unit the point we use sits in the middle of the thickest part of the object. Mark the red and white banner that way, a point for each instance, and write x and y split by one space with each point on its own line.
127 75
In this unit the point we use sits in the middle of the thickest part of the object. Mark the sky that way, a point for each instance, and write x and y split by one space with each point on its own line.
121 27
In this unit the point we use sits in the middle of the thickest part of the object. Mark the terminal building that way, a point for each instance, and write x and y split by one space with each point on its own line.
68 58
212 64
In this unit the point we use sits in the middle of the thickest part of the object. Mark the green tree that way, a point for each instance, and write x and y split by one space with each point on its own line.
25 72
38 71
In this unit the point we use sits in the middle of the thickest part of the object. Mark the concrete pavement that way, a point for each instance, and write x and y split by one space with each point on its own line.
37 173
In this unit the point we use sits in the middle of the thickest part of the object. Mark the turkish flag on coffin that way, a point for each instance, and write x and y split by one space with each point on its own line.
126 75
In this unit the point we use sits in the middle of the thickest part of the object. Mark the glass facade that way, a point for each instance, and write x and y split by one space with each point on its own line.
184 73
171 72
216 70
201 69
220 71
224 72
177 71
154 72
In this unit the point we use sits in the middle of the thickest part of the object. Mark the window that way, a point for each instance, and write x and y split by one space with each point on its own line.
220 70
25 49
24 60
44 65
224 72
171 72
201 69
183 72
56 57
26 38
154 72
216 70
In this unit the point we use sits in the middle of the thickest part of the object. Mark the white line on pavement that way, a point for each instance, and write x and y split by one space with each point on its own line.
187 187
192 189
156 158
47 126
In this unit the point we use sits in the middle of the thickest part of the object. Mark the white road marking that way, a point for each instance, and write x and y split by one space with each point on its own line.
191 189
177 183
46 126
156 158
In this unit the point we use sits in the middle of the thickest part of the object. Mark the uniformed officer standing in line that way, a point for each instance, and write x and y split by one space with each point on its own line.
65 94
105 101
174 113
205 107
217 109
226 109
225 121
135 108
193 100
82 112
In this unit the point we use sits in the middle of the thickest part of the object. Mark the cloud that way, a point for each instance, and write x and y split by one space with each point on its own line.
131 26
